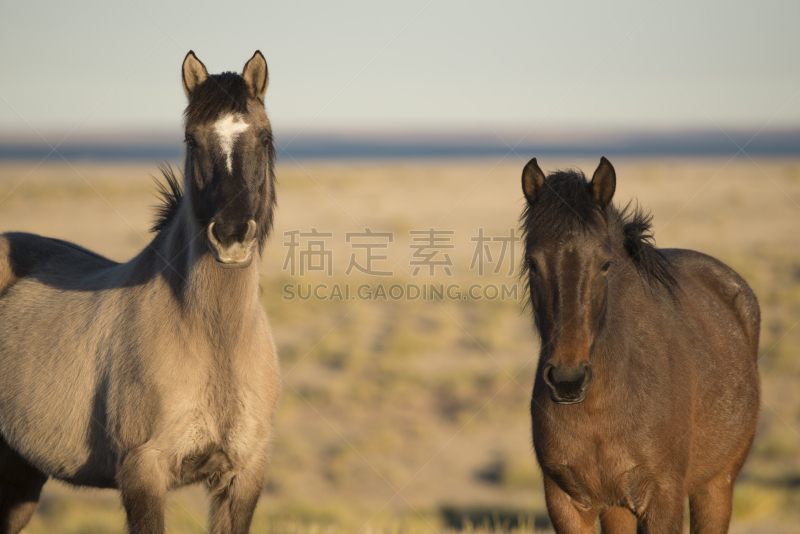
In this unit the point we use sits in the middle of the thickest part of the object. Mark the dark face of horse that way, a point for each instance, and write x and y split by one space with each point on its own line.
229 157
568 258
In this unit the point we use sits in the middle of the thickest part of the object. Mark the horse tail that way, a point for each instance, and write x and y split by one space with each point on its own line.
746 305
7 275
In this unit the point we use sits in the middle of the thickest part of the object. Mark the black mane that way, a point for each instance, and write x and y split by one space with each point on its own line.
639 243
170 195
566 204
220 93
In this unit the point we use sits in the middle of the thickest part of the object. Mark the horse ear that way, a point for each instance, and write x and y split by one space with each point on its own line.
532 180
604 183
194 73
256 75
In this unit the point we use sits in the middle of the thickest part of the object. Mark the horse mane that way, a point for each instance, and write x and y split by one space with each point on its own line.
170 195
639 242
566 204
220 93
571 209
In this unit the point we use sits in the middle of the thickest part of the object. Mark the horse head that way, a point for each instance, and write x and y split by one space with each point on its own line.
568 257
229 158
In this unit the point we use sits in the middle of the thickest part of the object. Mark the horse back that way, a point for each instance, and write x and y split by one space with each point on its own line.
24 255
724 283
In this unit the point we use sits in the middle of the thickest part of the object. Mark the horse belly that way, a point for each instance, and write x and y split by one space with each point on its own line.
50 401
723 427
725 411
57 433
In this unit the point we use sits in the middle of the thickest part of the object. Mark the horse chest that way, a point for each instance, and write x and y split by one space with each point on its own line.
211 415
213 440
214 411
593 468
211 411
592 487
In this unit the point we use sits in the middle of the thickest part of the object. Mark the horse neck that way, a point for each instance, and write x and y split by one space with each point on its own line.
627 302
218 300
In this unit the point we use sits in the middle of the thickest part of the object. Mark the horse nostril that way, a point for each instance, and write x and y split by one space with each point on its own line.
246 232
231 233
240 232
568 386
547 374
588 375
251 231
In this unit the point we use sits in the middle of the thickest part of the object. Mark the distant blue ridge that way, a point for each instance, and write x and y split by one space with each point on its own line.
782 143
91 152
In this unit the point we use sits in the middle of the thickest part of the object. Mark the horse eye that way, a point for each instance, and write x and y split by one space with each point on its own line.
190 142
265 141
531 263
605 267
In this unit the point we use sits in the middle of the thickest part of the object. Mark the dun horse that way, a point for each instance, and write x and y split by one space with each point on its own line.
160 372
647 387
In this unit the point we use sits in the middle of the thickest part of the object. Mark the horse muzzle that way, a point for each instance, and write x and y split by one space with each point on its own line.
235 254
568 386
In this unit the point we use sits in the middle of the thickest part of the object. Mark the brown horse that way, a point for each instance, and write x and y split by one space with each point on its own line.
149 375
647 387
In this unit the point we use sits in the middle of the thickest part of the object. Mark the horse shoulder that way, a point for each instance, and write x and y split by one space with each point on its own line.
724 283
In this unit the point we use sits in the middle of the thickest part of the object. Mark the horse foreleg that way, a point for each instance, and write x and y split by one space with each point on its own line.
710 506
142 483
618 521
664 513
20 487
232 507
564 516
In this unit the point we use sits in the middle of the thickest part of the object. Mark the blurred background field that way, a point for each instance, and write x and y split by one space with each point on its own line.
406 416
411 416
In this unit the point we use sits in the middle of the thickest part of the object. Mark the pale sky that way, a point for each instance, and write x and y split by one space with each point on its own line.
410 65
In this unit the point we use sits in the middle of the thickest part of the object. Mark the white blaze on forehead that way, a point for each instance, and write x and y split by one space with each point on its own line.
228 129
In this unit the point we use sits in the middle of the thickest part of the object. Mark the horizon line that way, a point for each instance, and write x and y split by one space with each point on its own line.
432 144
